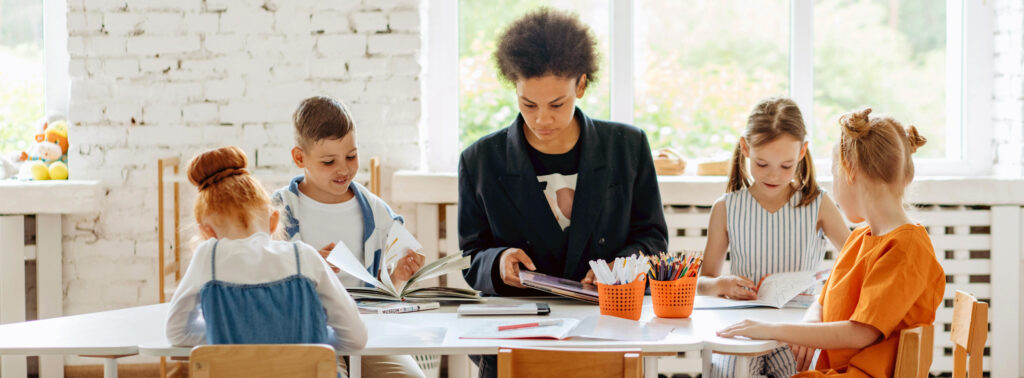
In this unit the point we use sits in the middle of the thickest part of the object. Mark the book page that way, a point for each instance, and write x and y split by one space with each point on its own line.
448 264
613 328
779 288
343 258
489 329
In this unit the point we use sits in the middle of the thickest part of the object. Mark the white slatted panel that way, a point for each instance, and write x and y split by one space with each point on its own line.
451 243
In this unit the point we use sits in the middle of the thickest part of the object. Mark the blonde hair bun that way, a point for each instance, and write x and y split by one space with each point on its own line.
915 140
856 124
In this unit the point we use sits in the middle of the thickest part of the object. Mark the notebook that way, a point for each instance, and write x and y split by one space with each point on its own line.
504 309
390 307
592 327
559 286
777 290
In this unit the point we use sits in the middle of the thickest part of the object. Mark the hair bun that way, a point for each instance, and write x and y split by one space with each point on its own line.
915 139
856 124
210 167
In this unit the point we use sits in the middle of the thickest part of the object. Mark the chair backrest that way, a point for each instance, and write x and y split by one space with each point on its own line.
968 333
914 358
375 176
255 360
543 362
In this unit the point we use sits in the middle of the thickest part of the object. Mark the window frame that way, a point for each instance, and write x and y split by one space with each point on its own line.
969 48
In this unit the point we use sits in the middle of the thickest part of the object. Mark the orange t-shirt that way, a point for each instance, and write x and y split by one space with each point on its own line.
890 282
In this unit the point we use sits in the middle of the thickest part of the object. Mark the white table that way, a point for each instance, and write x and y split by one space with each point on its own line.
47 200
107 335
140 330
690 334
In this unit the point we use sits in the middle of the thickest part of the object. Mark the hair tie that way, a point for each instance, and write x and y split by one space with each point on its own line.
220 175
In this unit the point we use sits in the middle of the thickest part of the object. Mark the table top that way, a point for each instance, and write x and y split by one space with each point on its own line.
50 196
141 330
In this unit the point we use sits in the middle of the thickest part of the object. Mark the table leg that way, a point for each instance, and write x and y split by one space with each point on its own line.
742 367
109 368
12 286
49 283
459 366
355 367
651 367
705 357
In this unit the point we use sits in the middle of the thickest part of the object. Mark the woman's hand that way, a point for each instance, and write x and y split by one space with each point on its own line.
803 356
591 278
751 329
406 267
324 252
734 287
508 266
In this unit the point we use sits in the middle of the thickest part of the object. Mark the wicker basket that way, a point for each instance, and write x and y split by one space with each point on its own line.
669 162
713 168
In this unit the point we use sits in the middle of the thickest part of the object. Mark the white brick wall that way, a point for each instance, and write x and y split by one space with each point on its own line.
1008 87
153 79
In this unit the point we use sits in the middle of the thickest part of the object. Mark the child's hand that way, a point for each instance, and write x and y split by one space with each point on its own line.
324 252
749 328
406 267
803 356
734 287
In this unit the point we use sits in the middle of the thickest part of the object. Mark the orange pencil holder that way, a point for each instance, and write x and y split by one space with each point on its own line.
673 299
624 301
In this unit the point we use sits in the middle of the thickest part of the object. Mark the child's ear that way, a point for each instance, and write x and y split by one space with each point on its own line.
745 148
581 86
275 217
297 157
803 152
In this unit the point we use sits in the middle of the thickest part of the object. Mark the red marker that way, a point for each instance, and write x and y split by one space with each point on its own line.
542 323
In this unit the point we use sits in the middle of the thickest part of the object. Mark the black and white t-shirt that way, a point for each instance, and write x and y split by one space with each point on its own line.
557 176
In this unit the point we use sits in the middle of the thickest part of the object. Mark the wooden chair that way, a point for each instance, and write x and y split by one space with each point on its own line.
174 267
375 176
253 360
543 362
968 333
914 358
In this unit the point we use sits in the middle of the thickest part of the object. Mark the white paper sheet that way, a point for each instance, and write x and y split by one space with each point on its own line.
775 291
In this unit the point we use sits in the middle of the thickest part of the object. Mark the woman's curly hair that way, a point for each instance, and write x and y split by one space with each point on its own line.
547 41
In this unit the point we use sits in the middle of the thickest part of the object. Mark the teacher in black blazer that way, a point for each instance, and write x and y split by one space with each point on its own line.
556 188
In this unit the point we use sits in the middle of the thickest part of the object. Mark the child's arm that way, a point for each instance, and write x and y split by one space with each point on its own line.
185 324
711 282
846 334
342 314
831 221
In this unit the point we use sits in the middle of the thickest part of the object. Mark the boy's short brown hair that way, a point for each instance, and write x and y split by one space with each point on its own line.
321 117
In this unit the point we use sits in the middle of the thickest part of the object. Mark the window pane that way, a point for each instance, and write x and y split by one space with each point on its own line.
486 103
886 54
21 72
701 65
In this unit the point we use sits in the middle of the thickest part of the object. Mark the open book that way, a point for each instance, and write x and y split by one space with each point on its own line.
592 327
399 240
777 290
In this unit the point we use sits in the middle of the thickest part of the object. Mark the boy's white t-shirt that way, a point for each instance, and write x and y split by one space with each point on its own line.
326 223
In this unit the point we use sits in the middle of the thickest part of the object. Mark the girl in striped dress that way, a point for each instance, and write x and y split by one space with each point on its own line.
772 219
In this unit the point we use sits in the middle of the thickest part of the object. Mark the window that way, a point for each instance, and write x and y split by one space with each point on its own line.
689 71
22 73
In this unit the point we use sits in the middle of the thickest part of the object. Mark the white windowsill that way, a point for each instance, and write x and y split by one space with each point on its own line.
704 190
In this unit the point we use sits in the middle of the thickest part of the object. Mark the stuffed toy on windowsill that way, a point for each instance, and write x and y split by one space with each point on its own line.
47 158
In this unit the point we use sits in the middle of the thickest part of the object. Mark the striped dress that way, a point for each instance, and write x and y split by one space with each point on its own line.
763 243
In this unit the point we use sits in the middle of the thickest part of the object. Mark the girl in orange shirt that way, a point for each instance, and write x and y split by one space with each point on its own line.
886 278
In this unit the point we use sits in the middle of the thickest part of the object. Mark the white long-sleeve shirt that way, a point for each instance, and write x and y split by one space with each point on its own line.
259 259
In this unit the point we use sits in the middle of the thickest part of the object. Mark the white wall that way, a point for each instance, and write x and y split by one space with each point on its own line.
1008 87
152 79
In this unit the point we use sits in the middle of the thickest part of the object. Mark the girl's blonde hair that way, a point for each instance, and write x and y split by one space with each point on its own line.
226 189
771 118
879 148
